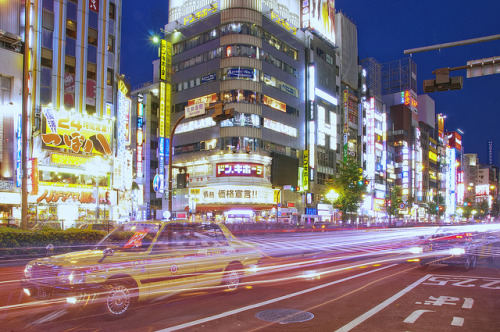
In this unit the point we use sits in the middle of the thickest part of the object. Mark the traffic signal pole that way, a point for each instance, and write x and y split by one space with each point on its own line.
172 131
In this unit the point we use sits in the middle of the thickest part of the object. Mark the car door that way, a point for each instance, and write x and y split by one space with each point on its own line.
212 256
171 261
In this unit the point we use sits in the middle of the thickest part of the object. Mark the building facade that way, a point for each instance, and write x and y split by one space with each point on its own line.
75 52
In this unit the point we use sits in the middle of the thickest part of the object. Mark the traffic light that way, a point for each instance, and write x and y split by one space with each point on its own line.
182 180
366 182
360 183
443 81
221 114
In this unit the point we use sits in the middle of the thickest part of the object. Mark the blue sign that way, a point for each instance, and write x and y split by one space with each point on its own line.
208 78
161 155
241 73
167 149
311 211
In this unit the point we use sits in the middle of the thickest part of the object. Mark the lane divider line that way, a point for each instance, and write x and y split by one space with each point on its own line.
374 310
260 304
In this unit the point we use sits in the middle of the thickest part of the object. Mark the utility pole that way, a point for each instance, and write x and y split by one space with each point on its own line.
25 123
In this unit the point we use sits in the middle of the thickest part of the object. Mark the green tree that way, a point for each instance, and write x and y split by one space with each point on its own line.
396 199
483 209
350 185
437 206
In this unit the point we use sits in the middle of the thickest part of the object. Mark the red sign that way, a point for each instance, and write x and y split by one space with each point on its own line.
94 5
136 239
240 169
290 205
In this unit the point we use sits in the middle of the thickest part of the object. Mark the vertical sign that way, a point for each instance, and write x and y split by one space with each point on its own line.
162 109
140 114
19 150
305 175
163 60
94 5
346 112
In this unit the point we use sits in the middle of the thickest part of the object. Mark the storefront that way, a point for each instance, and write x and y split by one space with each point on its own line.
233 188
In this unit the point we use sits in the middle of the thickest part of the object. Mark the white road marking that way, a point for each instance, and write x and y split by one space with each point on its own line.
468 303
260 304
457 321
381 306
415 315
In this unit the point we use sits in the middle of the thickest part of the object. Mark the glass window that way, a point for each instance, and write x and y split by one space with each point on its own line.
112 10
111 43
48 20
48 4
92 37
47 38
71 28
109 77
92 54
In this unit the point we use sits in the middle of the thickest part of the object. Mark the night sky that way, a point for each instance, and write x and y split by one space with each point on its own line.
385 29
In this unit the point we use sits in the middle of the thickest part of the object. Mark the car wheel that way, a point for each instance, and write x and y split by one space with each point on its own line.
231 279
118 298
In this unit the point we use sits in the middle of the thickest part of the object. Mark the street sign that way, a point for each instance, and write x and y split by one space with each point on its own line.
402 206
405 198
483 67
194 110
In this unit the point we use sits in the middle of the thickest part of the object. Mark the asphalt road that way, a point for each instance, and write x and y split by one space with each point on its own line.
365 284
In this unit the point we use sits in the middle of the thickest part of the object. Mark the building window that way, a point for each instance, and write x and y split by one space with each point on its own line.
92 37
5 87
109 77
112 9
71 29
48 20
111 44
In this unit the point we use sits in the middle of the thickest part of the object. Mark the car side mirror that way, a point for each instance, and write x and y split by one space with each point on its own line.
108 252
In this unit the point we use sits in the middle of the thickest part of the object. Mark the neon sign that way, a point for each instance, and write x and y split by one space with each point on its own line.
239 169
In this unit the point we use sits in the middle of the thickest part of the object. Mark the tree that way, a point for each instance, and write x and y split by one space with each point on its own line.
396 200
350 185
483 209
437 206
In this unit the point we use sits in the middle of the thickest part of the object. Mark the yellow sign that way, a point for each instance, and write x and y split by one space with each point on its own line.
76 133
163 59
283 23
201 14
67 159
305 175
122 87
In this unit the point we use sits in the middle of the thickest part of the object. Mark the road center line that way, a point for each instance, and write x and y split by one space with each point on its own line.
381 306
260 304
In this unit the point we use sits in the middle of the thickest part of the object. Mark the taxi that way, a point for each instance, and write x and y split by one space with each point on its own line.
138 261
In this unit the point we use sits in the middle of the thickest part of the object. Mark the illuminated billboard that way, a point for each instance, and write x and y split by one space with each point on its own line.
240 169
75 132
319 16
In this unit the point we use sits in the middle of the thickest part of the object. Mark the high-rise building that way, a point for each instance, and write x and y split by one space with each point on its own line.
11 87
74 53
282 84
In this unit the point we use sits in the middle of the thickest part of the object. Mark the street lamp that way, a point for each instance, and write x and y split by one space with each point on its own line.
332 196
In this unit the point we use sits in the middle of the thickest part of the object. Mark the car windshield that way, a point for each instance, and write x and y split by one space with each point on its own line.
130 237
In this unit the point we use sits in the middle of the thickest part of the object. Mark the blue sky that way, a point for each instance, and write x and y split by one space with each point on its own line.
385 29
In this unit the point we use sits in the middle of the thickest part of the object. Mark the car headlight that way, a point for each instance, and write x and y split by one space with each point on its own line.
457 251
415 250
28 271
